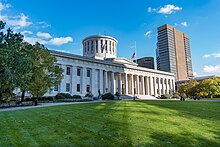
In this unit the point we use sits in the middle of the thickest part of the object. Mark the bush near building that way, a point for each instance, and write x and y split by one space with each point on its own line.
108 96
165 96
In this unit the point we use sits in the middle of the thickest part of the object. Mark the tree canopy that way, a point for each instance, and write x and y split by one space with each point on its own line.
208 87
25 66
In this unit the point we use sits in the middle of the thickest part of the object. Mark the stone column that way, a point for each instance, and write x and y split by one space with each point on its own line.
101 81
159 87
143 86
119 83
106 82
74 70
112 83
83 80
126 84
138 85
167 92
62 87
94 80
163 90
150 86
155 87
132 84
173 86
147 86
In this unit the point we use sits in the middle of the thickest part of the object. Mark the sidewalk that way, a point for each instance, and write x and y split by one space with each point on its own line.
48 105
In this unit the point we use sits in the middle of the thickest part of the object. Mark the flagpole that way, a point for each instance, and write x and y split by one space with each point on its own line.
135 47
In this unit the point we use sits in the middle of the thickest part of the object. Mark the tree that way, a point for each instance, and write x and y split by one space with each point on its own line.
188 89
191 88
45 73
209 87
182 89
9 43
25 66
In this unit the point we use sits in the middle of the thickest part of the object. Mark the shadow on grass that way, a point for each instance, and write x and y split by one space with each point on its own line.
210 111
168 139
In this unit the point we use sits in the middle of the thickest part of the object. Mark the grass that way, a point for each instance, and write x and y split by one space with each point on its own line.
118 123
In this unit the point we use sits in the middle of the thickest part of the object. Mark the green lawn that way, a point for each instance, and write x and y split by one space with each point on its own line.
119 123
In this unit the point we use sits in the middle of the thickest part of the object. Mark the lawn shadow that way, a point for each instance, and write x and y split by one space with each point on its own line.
203 110
168 139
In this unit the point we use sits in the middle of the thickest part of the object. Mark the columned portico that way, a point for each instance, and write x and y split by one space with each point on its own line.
112 83
126 83
110 75
143 86
119 83
106 82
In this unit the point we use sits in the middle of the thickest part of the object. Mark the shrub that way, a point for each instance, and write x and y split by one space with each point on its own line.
108 96
165 96
89 94
63 96
76 97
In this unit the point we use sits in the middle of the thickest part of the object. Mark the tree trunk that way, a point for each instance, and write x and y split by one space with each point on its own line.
22 96
0 94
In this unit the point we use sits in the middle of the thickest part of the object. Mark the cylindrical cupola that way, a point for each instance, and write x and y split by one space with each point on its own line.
100 47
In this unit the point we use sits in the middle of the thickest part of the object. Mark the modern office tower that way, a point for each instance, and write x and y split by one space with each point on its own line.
173 52
146 62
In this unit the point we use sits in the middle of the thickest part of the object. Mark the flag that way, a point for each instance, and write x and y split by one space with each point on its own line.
133 56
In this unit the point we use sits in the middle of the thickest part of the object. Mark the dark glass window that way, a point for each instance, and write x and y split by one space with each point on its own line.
78 71
78 87
67 87
87 88
88 72
67 70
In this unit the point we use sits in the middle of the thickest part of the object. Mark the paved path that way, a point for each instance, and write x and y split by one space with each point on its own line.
48 105
203 100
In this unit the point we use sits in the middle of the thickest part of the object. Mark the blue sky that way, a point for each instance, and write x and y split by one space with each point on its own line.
62 25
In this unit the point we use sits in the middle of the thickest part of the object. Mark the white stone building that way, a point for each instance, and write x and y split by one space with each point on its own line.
100 69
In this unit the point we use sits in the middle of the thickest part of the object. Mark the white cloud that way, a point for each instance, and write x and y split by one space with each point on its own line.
212 69
169 9
151 9
16 21
43 24
33 40
184 24
214 55
26 32
4 6
44 35
60 40
148 34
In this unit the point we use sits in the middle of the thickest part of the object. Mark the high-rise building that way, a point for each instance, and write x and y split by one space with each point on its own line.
146 62
173 52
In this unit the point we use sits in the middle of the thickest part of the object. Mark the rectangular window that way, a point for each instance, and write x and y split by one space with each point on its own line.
88 46
67 87
110 46
67 70
88 73
96 46
78 87
78 71
92 46
56 88
106 44
87 88
102 46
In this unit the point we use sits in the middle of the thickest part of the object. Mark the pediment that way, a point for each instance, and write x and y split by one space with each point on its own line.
125 61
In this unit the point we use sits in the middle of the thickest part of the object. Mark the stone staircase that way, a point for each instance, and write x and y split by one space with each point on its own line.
138 97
